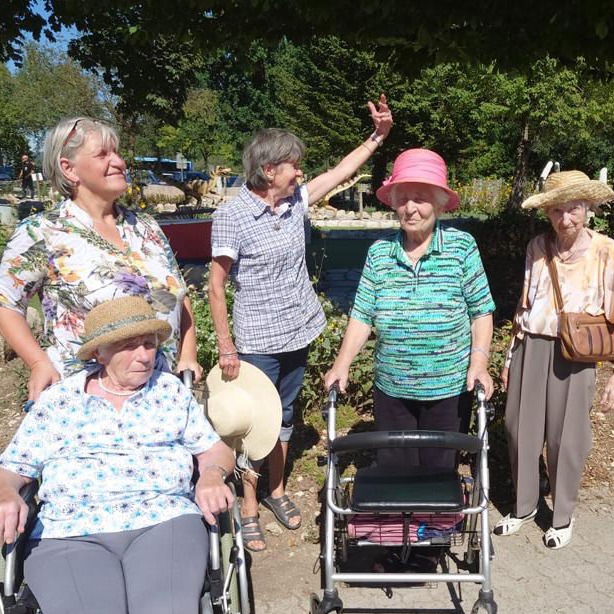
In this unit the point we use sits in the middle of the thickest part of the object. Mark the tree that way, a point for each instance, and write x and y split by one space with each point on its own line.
514 33
17 19
12 140
50 86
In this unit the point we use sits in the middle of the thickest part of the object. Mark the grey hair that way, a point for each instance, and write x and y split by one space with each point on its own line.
269 146
65 140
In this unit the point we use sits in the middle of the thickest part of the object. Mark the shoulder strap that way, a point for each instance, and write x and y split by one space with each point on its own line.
558 298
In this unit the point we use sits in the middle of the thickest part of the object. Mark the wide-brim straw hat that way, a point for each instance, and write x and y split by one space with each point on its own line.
566 186
419 166
245 411
119 319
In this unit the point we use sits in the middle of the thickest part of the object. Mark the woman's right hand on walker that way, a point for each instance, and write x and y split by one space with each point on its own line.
339 375
504 375
42 375
13 515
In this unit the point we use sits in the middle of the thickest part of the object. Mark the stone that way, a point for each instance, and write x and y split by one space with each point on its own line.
273 528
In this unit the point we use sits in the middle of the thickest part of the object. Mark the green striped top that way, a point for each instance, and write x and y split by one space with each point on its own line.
422 315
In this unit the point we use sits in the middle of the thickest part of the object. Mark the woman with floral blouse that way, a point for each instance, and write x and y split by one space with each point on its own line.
83 252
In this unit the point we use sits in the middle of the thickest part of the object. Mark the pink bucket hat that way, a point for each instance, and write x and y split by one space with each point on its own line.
419 166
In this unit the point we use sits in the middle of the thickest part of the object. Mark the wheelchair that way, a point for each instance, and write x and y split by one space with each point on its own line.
412 507
226 586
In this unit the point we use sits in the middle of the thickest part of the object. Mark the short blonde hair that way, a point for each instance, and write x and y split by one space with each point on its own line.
65 140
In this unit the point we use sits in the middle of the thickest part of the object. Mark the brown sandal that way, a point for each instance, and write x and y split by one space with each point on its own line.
252 532
284 509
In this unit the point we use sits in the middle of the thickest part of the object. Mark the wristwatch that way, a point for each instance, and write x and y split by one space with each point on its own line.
377 138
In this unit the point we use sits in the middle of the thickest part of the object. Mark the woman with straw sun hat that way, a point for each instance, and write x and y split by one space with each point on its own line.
549 397
425 293
121 526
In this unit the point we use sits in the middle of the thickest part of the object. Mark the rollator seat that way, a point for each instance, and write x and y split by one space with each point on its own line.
410 489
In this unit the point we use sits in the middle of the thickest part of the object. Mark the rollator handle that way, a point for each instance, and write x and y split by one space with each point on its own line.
332 399
480 391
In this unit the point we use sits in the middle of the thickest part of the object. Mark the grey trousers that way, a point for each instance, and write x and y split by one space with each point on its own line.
548 399
156 570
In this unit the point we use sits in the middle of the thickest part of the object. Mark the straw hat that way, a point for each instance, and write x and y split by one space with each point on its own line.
566 186
119 319
419 166
246 411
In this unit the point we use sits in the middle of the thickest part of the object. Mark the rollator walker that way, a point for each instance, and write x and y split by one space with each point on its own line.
431 507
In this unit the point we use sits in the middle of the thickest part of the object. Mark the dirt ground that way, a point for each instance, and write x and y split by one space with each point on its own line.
292 556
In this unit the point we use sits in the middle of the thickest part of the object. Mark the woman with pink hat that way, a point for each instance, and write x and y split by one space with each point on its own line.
425 293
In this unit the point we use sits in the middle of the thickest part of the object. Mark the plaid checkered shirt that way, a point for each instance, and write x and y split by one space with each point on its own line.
275 309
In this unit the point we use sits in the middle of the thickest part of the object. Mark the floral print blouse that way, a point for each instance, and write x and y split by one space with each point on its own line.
58 255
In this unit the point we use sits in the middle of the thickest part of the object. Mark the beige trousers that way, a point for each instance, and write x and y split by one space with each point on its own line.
548 400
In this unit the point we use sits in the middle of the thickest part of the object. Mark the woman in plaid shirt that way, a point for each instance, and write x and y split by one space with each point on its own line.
258 240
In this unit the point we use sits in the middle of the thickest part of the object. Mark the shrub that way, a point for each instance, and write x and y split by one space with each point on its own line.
322 354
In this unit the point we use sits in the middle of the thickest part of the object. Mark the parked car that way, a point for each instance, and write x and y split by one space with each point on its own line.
4 176
190 176
144 177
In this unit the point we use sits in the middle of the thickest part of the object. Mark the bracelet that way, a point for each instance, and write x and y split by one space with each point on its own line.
224 337
377 138
219 468
229 353
482 351
371 151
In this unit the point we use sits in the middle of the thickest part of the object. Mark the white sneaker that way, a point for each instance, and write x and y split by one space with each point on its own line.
509 524
558 538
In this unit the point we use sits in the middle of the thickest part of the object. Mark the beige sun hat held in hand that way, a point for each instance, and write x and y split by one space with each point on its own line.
246 411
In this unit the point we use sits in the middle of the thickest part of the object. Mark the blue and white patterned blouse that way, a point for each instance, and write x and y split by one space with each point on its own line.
105 470
275 308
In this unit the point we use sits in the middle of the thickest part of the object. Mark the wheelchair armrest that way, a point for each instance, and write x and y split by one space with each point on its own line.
405 439
28 492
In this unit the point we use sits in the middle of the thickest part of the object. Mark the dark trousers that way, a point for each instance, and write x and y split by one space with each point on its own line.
27 184
394 414
286 370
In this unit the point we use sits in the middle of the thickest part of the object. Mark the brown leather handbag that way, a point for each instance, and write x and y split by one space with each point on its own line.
584 338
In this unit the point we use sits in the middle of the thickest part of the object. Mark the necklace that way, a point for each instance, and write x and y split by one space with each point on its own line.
130 393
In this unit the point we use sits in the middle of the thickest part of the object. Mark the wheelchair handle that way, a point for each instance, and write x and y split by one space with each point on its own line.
187 377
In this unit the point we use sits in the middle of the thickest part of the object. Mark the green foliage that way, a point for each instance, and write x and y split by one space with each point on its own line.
322 354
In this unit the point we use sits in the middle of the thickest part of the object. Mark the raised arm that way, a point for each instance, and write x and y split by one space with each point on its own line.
14 328
356 335
324 183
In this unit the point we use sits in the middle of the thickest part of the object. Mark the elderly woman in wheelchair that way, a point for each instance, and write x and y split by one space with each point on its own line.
120 527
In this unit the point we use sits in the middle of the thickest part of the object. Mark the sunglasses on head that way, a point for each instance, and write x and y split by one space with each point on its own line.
73 130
